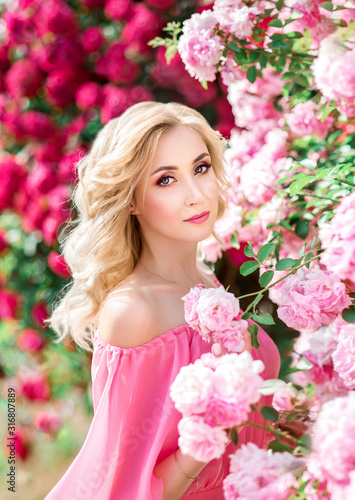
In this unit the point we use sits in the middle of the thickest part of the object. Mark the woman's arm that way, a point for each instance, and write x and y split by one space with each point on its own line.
174 482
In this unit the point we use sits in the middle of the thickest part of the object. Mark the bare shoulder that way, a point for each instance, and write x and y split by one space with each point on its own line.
127 318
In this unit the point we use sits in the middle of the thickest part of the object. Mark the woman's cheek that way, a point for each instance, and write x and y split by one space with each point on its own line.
212 188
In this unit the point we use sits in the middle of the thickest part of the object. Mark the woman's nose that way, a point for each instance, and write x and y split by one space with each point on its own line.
194 192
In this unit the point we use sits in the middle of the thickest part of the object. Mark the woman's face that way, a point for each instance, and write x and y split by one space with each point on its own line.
181 184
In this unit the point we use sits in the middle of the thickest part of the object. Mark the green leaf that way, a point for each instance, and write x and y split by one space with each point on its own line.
234 241
276 23
253 330
234 436
307 162
334 136
280 4
246 315
302 80
313 242
269 413
300 183
294 34
264 318
204 84
265 278
348 315
285 224
249 250
291 416
284 264
251 74
327 6
265 251
302 229
235 48
324 217
308 257
170 52
254 55
302 365
326 111
248 267
306 441
279 446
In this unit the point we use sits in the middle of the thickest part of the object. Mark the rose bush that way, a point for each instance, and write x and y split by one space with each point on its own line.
288 66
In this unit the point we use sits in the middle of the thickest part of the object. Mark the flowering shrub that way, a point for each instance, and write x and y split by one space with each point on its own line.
67 67
288 66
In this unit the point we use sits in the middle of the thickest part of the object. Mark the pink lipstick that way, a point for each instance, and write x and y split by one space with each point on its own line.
199 218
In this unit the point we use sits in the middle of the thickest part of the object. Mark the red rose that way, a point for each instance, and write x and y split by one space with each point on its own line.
91 39
88 96
9 304
22 79
50 423
39 313
30 340
58 265
118 10
34 386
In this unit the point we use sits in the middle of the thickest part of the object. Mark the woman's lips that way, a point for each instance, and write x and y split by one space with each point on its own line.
199 220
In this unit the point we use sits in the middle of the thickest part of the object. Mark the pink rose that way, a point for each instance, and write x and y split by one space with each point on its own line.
39 312
215 314
160 4
58 265
303 121
23 444
257 474
283 400
200 440
49 423
34 386
343 356
338 240
18 27
333 442
30 340
92 39
10 302
312 298
192 388
118 10
12 177
55 16
62 84
22 79
88 96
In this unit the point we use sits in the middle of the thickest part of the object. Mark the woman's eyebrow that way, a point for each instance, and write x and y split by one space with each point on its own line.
171 167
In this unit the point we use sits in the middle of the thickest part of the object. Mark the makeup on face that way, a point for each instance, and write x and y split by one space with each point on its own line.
199 220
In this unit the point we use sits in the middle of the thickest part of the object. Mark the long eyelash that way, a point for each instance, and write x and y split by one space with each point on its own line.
207 165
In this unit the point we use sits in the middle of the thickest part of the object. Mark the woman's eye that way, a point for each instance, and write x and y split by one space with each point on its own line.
161 183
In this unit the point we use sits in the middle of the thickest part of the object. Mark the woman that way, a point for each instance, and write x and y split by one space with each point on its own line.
134 253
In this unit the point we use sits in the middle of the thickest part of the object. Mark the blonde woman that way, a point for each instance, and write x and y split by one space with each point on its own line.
150 190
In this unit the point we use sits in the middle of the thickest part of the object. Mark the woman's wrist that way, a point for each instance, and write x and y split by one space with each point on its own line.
190 466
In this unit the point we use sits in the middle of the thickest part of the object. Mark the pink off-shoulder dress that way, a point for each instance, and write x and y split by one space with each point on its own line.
134 426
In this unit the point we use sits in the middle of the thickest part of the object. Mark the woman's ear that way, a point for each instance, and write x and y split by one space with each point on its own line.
133 210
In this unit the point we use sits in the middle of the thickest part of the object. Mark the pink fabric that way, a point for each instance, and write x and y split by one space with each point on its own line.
134 426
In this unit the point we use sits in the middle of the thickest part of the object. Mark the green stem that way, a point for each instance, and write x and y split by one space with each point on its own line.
344 181
278 281
276 432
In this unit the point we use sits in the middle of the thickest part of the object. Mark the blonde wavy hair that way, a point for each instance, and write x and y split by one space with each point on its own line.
103 244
